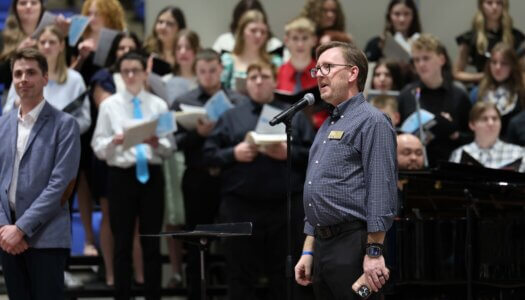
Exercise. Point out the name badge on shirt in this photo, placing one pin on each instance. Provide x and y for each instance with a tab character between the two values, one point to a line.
336	135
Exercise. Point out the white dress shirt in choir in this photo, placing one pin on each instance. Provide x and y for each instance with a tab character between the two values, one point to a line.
25	124
117	111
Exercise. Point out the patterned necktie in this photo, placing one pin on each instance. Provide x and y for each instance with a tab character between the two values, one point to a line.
142	161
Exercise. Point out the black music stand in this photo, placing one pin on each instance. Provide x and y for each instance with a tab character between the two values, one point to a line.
201	235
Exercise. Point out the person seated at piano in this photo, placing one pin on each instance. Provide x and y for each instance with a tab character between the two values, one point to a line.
410	155
487	149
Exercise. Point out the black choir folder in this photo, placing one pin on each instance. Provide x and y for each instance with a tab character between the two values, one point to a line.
467	159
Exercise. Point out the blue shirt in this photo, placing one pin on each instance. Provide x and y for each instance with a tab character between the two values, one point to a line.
352	169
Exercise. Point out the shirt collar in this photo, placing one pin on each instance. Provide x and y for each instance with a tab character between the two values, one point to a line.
128	97
347	105
33	114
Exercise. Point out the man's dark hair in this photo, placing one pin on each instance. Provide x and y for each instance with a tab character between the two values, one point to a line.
30	54
352	56
132	55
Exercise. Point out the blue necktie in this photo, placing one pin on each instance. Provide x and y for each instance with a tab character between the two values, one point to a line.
142	161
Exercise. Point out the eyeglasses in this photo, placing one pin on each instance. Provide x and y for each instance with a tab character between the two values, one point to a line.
129	72
325	69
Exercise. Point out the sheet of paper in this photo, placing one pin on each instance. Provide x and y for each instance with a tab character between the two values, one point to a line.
411	124
166	124
76	29
394	50
138	131
217	105
48	18
263	124
262	139
189	116
104	45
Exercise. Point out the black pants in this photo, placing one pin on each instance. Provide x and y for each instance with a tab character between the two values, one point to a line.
35	274
201	202
129	199
338	263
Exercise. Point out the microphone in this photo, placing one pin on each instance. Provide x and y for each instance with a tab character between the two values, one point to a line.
308	99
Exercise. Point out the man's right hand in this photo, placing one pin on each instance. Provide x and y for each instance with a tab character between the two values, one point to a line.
245	152
303	270
118	139
204	127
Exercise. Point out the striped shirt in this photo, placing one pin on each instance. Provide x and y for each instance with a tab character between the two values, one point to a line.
352	169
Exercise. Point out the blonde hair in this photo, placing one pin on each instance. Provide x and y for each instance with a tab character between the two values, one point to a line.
248	17
61	65
110	10
12	35
478	27
300	24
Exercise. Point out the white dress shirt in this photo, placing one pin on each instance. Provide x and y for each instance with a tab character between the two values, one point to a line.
114	114
25	124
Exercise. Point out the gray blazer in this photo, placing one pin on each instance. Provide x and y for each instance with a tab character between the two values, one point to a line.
46	176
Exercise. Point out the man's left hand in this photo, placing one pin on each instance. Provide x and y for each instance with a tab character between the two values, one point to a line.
10	236
276	151
376	272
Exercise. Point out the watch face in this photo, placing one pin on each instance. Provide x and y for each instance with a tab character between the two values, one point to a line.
373	251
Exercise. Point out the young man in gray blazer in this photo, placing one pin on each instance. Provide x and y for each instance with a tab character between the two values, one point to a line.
39	157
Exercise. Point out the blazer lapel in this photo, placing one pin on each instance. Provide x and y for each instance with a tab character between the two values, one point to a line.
42	119
13	122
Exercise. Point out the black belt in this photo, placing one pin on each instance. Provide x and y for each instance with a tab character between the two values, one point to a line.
330	231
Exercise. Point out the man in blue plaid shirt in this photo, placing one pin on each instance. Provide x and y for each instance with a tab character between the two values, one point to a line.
487	148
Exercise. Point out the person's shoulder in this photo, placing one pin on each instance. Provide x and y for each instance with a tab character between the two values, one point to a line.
188	96
156	100
518	34
60	116
408	90
237	97
466	37
74	75
518	119
227	59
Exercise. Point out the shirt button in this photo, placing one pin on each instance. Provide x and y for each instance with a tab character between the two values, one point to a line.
342	116
309	182
318	224
316	161
332	122
324	142
310	204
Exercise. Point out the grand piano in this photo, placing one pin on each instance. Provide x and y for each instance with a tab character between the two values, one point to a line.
460	234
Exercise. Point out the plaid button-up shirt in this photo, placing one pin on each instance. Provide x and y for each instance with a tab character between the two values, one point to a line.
352	169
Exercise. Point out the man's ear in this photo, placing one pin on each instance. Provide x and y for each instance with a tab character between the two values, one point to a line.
471	126
353	74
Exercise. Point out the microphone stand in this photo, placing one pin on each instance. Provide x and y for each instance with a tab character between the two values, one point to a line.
288	265
422	135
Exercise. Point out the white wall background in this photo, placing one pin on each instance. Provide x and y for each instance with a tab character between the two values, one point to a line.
364	18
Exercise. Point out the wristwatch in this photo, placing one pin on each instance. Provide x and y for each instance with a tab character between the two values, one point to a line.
374	250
